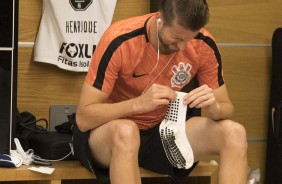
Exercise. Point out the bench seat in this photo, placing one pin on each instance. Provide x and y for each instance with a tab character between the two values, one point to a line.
72	170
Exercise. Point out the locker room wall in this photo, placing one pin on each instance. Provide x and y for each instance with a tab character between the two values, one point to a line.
242	28
244	31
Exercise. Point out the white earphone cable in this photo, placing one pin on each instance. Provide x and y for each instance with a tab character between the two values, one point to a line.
158	74
158	51
158	40
158	58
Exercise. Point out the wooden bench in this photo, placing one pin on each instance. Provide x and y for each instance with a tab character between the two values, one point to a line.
72	170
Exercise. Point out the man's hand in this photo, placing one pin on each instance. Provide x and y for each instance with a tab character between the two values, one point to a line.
215	101
200	97
155	96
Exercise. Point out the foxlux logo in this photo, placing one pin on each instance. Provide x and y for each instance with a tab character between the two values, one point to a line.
81	52
80	5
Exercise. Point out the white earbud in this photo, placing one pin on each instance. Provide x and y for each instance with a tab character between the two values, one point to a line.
159	20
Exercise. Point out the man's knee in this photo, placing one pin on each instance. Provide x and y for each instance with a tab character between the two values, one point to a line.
235	136
126	136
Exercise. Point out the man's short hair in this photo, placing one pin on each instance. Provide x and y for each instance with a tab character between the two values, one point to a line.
191	14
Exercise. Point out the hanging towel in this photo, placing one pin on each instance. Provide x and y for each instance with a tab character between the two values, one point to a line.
70	30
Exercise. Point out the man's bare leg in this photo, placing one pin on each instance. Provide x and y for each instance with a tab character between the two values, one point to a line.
116	145
224	138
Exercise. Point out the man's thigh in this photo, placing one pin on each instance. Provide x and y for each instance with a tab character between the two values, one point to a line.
206	136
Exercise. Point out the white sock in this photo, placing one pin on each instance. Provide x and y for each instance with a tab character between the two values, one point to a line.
173	134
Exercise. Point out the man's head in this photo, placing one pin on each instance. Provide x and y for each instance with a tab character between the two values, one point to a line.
180	21
191	14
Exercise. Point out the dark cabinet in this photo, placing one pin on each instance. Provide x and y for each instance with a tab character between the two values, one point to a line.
6	23
273	166
8	72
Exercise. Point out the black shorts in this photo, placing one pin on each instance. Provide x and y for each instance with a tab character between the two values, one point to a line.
151	155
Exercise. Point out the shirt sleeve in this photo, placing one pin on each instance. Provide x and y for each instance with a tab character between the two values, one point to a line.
210	72
105	66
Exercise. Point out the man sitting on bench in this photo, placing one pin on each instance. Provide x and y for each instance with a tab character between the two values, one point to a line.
136	70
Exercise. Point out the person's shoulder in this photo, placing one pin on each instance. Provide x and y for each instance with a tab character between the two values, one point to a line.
204	34
203	40
127	25
136	20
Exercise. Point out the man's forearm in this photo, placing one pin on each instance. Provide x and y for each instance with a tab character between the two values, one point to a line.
94	115
223	110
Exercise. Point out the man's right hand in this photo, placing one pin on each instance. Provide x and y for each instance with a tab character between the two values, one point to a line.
155	96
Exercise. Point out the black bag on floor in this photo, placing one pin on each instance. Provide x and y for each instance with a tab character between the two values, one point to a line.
26	126
55	145
52	146
47	145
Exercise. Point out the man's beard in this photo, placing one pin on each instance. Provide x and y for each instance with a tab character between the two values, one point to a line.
164	48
